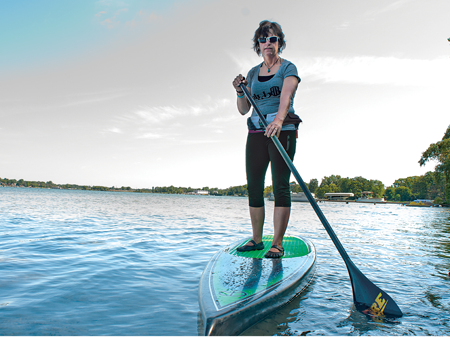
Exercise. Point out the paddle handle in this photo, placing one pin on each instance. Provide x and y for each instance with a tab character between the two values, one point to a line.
299	179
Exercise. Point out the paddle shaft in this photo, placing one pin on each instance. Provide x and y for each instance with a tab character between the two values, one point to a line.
366	295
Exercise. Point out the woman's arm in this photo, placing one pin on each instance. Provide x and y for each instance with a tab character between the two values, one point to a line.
290	85
243	104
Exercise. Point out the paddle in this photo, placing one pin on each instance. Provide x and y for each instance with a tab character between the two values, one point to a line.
367	297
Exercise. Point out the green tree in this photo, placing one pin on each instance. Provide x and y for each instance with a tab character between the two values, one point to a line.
421	189
404	193
295	188
268	190
440	152
377	188
313	185
323	189
333	179
389	194
99	188
352	186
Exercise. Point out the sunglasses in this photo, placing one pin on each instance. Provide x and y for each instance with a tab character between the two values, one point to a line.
272	39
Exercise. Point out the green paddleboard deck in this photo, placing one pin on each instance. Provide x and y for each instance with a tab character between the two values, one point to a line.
293	247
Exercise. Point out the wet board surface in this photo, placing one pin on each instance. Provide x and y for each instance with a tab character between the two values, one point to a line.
235	284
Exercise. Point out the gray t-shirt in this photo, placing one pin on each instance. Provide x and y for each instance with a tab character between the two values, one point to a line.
267	94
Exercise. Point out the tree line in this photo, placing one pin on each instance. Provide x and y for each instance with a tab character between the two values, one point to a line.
429	186
230	191
50	184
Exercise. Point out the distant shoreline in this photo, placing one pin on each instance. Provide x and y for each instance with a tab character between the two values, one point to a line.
389	202
239	191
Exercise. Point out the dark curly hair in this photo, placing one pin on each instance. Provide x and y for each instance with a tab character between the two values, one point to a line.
263	31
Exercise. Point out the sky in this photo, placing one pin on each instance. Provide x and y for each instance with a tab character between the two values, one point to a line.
138	93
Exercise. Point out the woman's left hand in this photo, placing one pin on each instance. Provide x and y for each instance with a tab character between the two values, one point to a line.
274	128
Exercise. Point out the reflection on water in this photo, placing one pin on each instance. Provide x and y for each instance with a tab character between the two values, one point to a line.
362	324
102	263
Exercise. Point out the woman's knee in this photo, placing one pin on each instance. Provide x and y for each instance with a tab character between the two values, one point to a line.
282	197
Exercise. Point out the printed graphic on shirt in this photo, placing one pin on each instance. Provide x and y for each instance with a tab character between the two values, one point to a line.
273	92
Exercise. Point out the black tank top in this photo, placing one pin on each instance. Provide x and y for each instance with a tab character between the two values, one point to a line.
265	78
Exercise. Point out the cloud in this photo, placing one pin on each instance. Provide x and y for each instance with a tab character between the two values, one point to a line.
200	141
364	69
149	136
393	6
160	114
131	20
343	26
111	130
375	70
152	122
113	21
244	60
227	118
142	18
114	130
101	98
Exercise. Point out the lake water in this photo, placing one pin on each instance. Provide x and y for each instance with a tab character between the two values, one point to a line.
104	263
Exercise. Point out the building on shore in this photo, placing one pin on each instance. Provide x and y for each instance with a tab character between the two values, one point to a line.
338	196
199	192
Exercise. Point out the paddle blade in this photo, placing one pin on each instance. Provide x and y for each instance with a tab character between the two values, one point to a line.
368	298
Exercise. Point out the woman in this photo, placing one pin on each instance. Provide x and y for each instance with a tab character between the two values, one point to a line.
272	85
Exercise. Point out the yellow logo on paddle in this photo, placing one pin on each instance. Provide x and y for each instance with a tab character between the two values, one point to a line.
378	306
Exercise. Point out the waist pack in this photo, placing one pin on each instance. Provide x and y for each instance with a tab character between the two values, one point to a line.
292	118
254	123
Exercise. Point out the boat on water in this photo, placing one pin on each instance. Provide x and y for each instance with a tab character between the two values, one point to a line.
422	203
238	289
296	197
367	197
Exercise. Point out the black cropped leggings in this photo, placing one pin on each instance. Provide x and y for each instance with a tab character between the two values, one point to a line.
260	151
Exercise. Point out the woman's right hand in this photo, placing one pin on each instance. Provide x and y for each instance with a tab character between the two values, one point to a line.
242	103
237	82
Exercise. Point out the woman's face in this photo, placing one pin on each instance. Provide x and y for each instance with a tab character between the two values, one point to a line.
269	48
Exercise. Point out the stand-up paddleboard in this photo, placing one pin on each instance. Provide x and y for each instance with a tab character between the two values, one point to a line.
238	289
